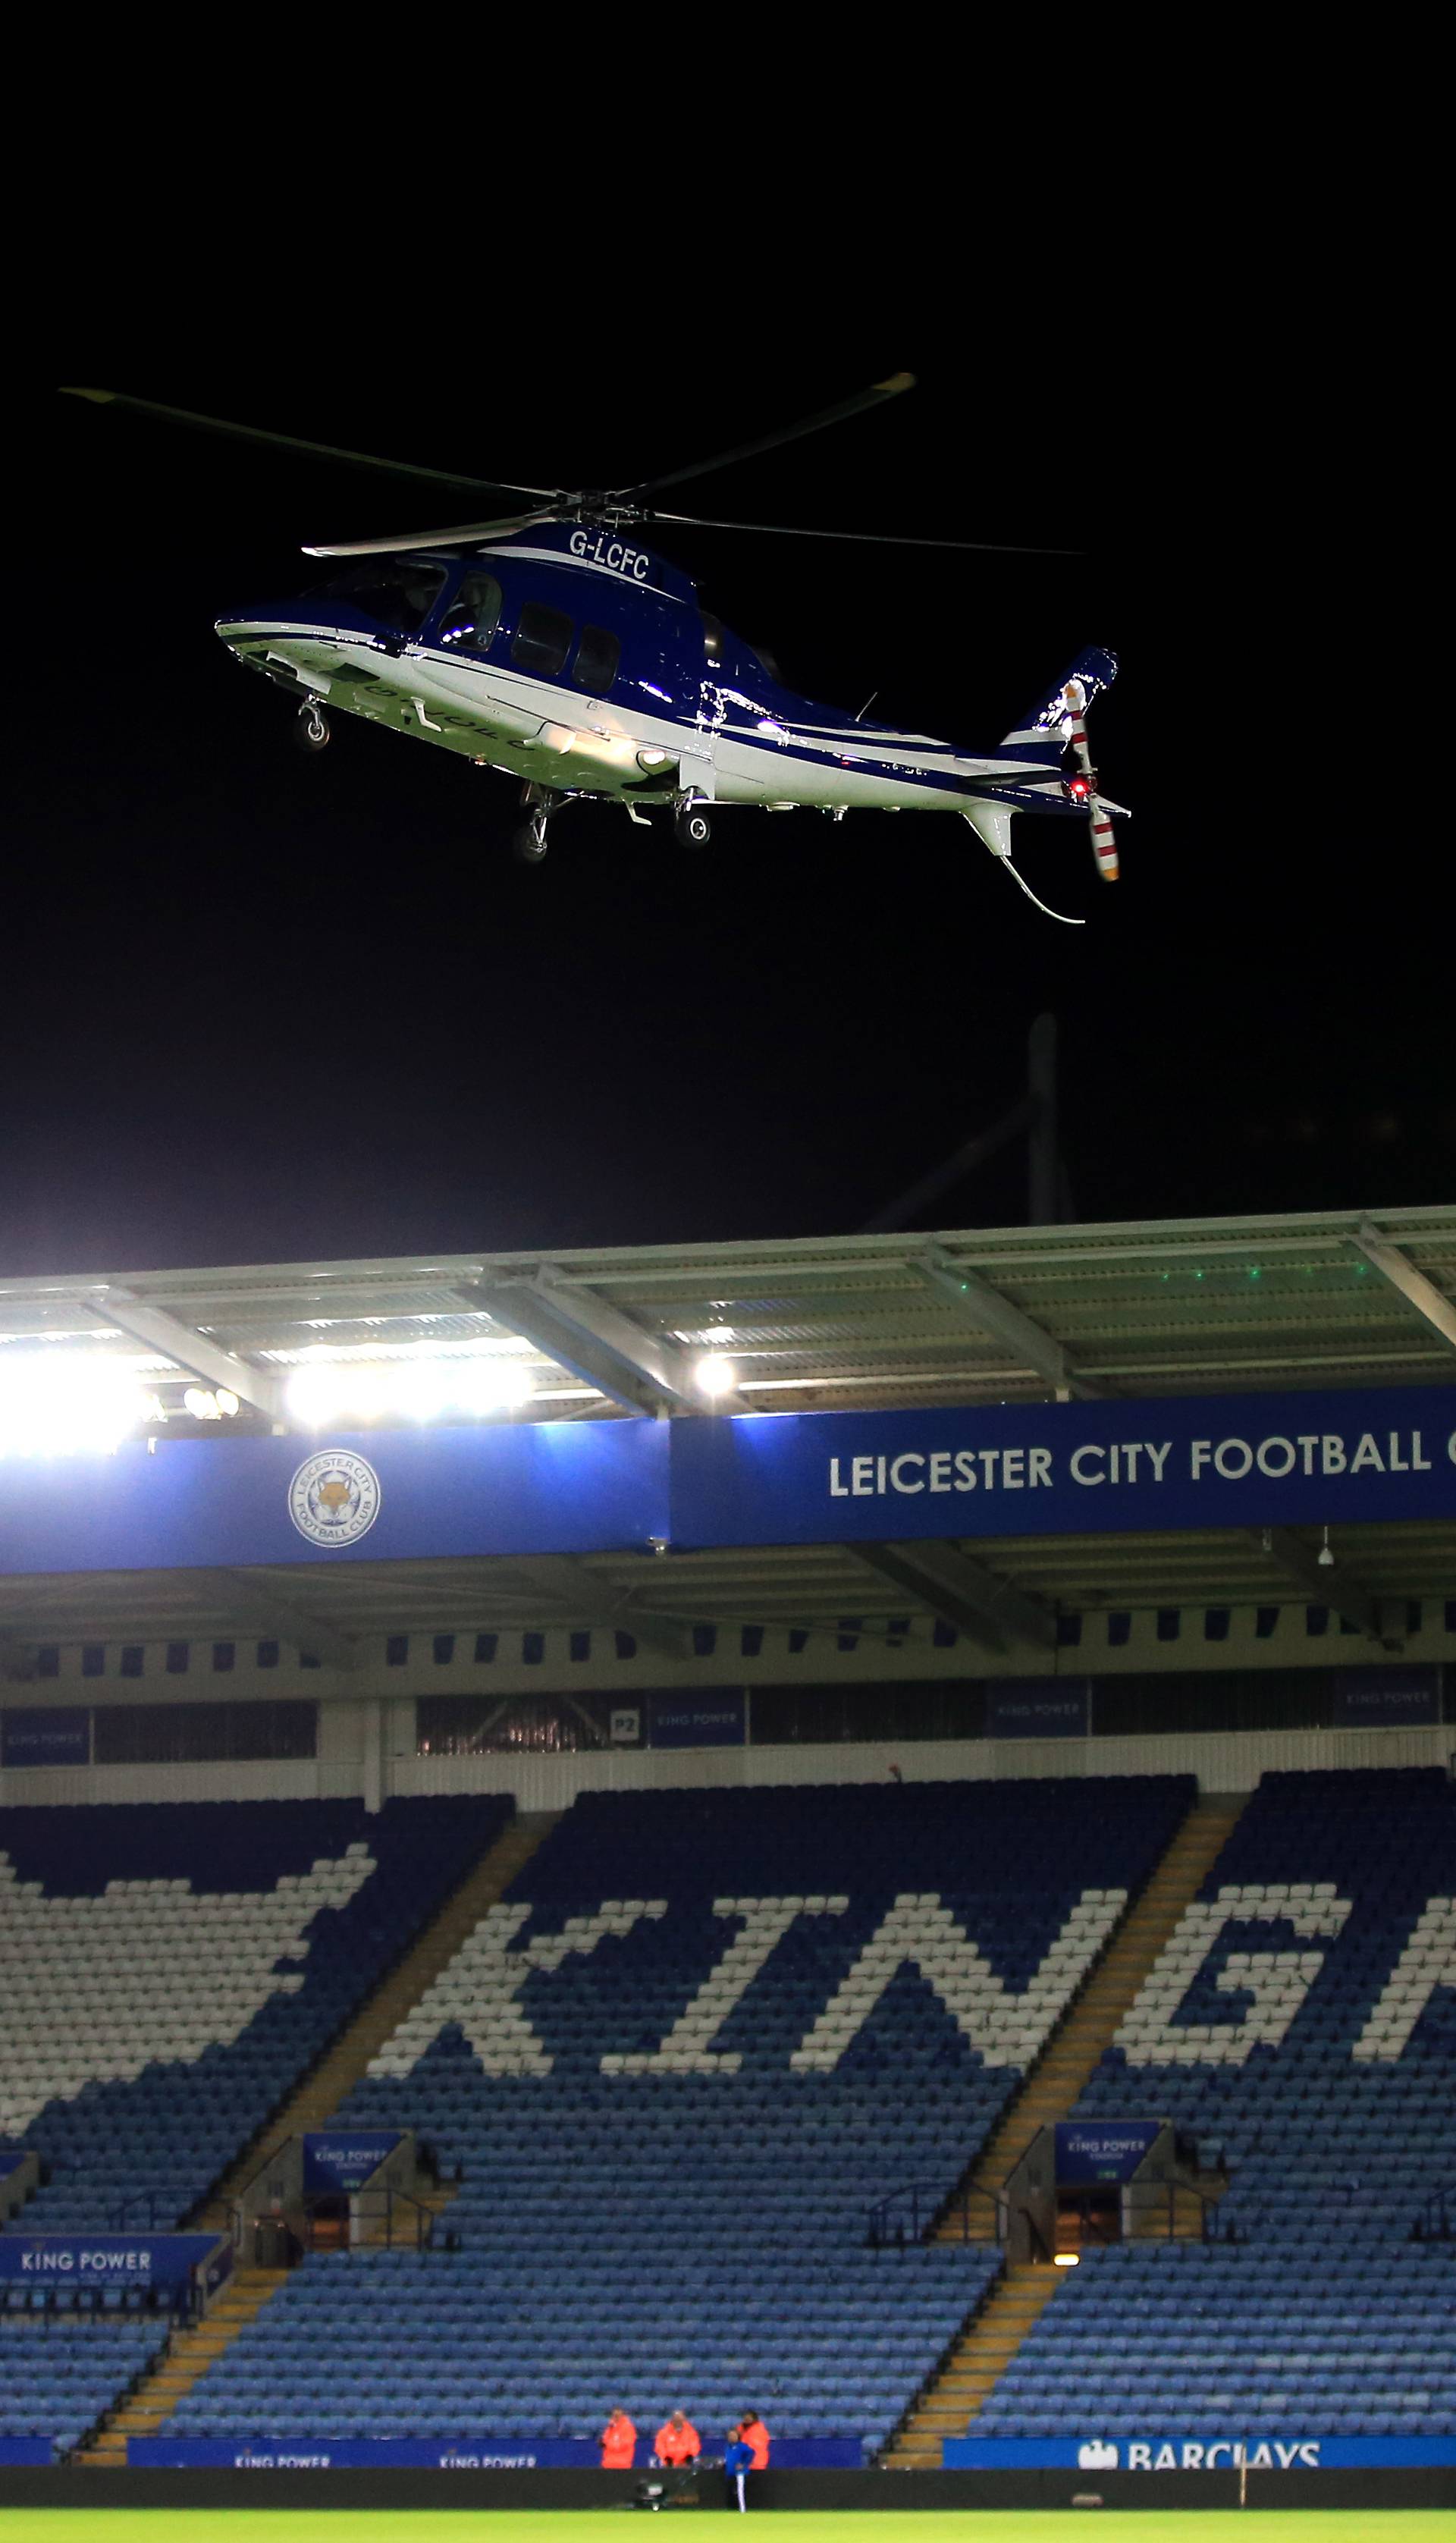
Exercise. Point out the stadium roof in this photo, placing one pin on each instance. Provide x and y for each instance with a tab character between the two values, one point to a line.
981	1315
965	1317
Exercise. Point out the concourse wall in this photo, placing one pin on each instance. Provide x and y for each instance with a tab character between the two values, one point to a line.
365	1751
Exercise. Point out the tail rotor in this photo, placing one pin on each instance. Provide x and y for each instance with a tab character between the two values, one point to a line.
1083	786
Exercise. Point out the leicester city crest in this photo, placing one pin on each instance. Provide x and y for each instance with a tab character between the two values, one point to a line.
334	1499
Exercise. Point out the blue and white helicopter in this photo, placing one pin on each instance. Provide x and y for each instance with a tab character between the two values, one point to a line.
556	647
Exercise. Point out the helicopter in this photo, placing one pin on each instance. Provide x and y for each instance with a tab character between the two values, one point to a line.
554	645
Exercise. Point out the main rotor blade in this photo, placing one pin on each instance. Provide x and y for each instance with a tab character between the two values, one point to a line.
857	405
869	538
466	533
291	442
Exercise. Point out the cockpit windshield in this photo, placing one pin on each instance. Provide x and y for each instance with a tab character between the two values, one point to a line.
400	594
716	643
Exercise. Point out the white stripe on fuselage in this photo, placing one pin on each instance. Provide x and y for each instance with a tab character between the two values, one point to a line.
748	766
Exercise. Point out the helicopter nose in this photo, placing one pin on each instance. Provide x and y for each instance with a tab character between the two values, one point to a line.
276	643
254	624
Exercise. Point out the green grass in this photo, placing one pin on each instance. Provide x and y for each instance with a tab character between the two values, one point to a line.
897	2525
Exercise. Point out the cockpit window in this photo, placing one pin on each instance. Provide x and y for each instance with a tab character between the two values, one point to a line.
543	638
597	657
401	596
715	644
474	615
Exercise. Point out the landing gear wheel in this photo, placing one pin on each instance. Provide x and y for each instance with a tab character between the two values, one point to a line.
311	731
528	843
691	827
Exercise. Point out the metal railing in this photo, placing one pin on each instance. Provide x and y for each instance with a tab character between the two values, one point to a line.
395	2218
141	2207
1140	2212
339	2222
921	2212
1437	2222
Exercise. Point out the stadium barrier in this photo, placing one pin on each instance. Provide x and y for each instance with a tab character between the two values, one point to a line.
441	2454
186	2269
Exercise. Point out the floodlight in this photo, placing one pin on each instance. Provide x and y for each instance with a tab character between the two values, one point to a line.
715	1375
405	1390
67	1404
494	1385
204	1405
314	1396
226	1402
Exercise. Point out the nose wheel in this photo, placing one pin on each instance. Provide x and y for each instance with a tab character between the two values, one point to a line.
311	731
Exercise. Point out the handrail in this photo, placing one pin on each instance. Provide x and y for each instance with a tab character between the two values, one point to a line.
238	2201
917	2213
405	2218
1437	2222
120	2216
1150	2210
314	2204
1034	2233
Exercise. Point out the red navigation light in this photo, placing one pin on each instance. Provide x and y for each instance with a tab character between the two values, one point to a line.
1079	787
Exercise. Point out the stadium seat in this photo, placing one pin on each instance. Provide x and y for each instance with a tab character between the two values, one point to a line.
678	2066
173	1969
1301	2026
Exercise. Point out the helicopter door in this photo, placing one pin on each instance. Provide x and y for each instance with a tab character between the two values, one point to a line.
698	760
712	708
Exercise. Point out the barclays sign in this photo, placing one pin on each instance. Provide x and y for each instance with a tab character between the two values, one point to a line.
1195	2455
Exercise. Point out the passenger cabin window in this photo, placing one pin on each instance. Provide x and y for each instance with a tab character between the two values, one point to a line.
471	621
401	596
598	656
543	638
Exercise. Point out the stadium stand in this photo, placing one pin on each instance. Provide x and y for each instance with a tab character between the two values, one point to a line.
60	2368
673	2111
1301	2026
171	1971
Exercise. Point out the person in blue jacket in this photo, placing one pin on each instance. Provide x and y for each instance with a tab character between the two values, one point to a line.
738	2463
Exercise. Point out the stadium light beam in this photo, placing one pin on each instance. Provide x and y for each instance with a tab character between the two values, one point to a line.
71	1404
324	1392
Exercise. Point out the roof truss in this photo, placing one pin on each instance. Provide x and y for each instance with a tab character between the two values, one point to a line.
964	1592
597	1342
1401	1274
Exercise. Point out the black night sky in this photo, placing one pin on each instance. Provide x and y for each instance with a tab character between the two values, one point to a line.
261	1006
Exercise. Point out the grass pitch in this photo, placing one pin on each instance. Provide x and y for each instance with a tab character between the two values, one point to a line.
859	2525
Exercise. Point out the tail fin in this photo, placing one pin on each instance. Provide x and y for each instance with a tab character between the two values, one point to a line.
1043	733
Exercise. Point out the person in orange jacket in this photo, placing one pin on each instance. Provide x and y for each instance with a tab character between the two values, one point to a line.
677	2441
753	2433
618	2439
